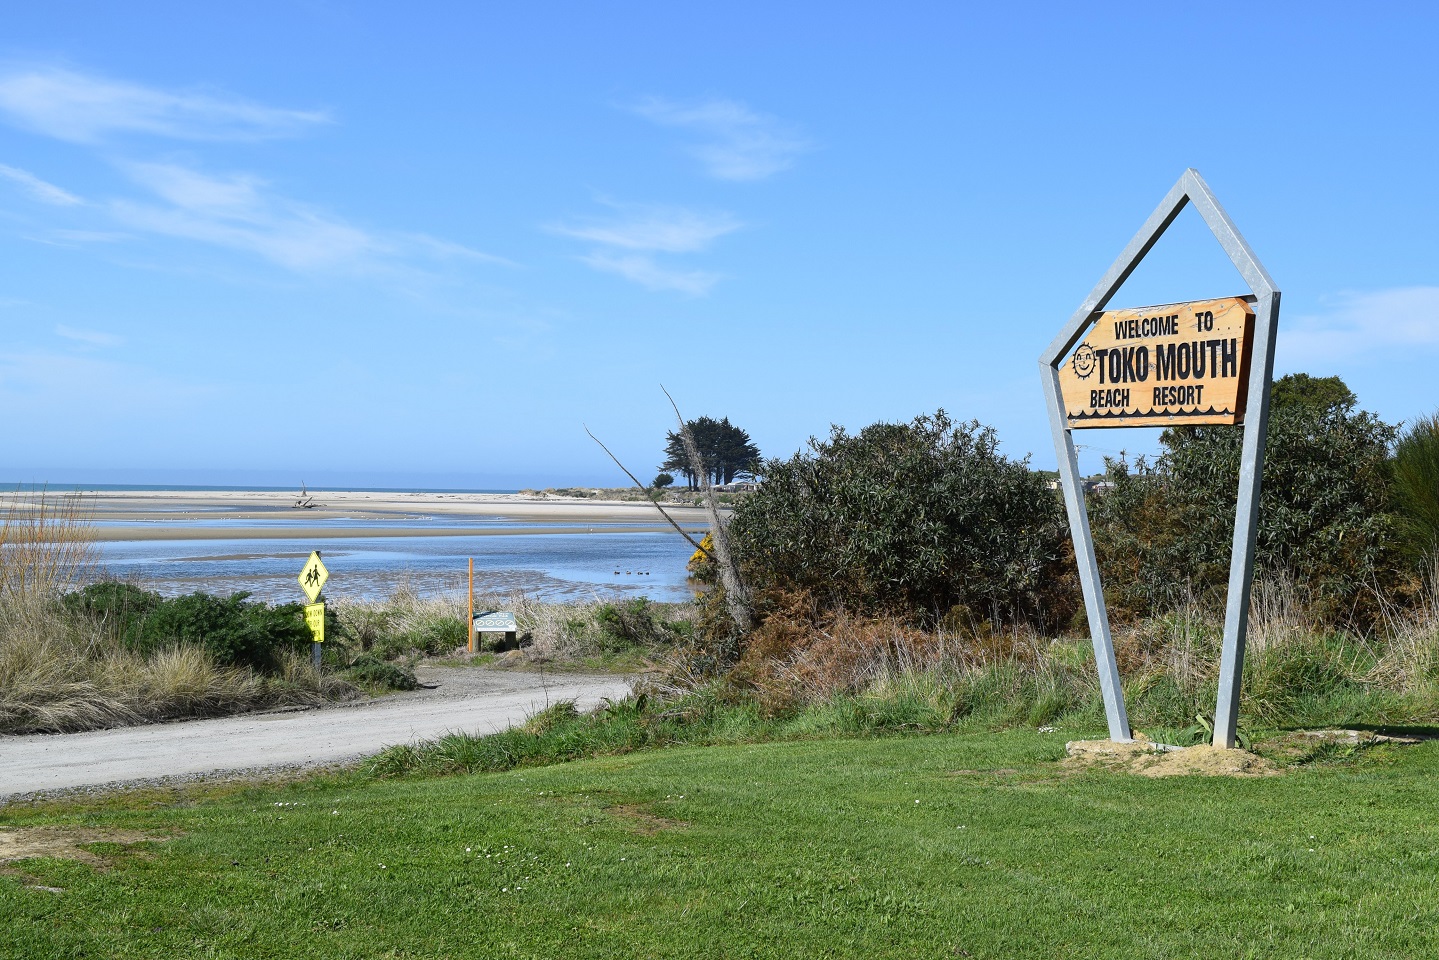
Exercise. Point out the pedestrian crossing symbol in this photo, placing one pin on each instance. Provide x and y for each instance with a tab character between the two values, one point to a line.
313	577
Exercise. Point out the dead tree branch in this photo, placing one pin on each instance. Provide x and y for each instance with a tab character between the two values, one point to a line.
648	494
737	598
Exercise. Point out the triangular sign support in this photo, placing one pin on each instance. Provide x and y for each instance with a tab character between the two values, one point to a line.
1190	189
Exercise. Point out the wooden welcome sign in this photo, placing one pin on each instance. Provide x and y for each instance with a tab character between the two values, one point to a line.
1161	366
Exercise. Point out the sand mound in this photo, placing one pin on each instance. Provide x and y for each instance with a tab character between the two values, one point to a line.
1148	759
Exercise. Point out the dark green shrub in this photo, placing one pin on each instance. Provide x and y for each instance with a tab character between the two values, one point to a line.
233	630
379	674
236	632
633	623
910	519
119	607
1166	530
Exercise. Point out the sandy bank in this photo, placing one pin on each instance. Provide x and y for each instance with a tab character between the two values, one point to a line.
188	515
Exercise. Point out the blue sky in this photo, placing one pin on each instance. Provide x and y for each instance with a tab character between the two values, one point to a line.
357	244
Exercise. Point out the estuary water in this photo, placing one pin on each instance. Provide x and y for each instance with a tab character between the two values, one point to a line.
555	566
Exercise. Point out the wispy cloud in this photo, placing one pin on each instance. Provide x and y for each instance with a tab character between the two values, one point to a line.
641	231
445	250
85	108
665	229
235	210
39	189
240	211
735	142
1404	318
643	270
89	337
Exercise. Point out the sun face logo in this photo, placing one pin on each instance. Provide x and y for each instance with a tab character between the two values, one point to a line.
1083	361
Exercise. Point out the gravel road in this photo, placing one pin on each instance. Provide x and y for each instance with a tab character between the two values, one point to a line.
468	699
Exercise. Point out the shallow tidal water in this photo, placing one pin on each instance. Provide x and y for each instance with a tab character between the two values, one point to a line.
551	566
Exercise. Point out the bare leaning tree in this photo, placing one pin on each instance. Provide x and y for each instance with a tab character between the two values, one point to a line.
737	598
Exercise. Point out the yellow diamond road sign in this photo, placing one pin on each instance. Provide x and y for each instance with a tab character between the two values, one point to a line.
313	577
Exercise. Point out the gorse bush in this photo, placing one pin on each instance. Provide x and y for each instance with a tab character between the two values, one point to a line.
636	622
911	519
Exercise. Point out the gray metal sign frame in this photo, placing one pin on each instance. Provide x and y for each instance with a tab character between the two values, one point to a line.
1190	188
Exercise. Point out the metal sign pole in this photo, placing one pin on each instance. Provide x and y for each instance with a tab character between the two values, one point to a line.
1190	188
1104	660
317	648
1246	528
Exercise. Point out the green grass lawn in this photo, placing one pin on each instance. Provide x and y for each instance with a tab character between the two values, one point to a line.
972	844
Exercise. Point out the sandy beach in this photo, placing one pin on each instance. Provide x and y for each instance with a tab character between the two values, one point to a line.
129	515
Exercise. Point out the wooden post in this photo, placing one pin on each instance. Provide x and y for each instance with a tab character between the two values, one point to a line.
470	623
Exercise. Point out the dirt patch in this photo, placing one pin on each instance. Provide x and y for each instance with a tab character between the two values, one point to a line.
64	843
643	822
1144	757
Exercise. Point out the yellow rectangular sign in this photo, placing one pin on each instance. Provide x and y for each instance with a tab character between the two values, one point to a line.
315	620
1161	366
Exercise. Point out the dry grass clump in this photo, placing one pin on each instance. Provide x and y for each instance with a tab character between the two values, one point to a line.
1410	657
46	543
1298	671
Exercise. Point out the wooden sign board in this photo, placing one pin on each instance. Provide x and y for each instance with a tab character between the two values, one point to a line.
1178	363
